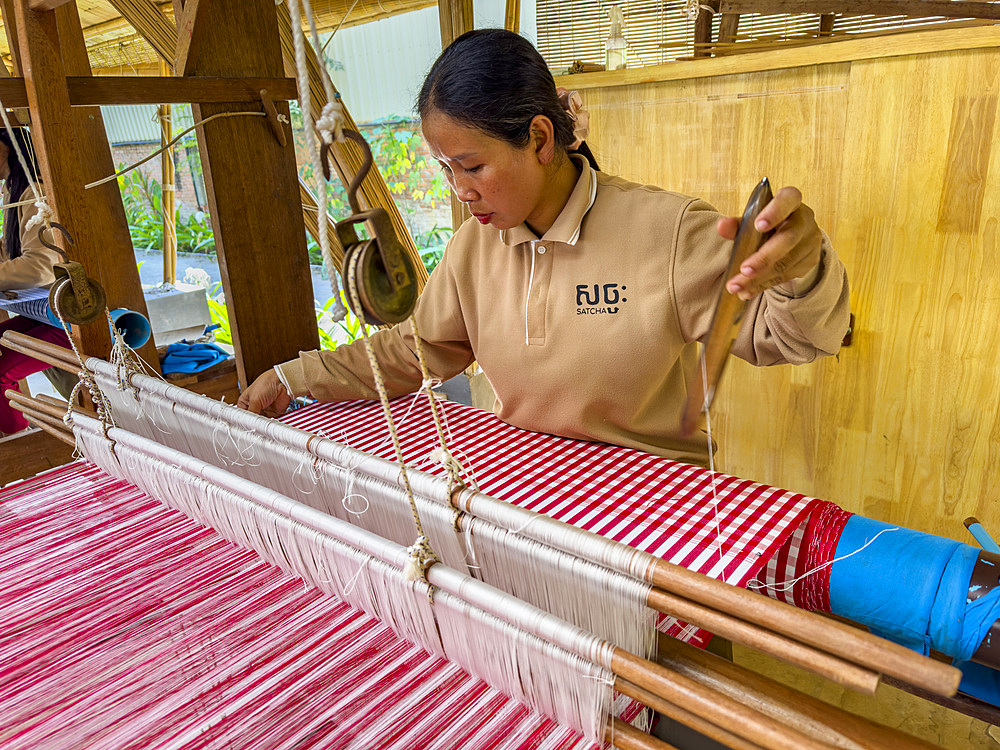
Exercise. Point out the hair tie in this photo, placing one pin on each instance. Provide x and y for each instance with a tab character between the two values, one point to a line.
572	102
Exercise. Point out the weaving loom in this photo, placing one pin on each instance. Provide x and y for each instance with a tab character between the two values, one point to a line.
651	503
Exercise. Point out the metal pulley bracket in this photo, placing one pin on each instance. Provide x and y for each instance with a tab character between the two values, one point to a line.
74	296
384	275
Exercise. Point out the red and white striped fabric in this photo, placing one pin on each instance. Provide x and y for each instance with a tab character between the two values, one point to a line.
724	527
123	624
126	625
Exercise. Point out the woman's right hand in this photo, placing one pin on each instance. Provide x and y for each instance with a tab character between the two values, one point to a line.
267	395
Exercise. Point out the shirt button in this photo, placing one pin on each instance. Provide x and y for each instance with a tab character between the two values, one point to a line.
541	249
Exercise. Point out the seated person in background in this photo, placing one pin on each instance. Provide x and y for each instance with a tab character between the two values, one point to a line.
24	263
581	295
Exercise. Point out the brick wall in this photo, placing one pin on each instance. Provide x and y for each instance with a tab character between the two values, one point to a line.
185	196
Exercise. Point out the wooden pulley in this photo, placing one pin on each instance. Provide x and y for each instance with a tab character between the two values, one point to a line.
76	297
385	278
728	313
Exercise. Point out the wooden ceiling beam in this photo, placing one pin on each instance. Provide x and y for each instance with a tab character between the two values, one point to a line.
151	23
189	35
913	8
85	91
46	4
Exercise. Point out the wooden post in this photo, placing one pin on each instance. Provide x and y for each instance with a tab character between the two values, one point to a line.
703	28
72	149
729	25
167	196
456	17
253	194
826	22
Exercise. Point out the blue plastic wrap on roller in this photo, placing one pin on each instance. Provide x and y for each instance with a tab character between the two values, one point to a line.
916	589
34	304
31	303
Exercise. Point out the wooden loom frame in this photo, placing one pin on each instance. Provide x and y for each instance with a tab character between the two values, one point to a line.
262	258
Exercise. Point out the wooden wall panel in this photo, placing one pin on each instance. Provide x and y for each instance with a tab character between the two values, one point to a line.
896	156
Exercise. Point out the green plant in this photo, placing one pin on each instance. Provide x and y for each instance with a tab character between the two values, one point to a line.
350	328
142	197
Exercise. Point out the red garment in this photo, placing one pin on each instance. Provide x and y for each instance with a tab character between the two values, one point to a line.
15	366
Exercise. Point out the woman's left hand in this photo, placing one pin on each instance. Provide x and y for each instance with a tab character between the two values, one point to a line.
792	251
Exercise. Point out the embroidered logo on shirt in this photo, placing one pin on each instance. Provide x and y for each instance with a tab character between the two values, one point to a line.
599	299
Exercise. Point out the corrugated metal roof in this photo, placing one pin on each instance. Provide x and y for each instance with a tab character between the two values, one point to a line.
138	123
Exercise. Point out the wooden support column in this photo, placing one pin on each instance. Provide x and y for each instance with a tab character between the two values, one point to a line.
72	149
729	25
703	28
253	195
456	17
826	22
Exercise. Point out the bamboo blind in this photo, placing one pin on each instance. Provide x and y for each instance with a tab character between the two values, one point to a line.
659	31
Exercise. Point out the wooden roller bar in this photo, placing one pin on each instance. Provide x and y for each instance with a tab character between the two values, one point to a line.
859	646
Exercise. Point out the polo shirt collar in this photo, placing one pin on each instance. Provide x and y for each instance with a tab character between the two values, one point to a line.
566	228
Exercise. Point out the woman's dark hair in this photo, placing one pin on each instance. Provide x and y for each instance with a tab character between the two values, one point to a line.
17	182
496	81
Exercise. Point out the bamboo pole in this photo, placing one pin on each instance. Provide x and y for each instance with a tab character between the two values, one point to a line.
813	716
456	18
52	425
55	432
687	718
19	399
64	405
512	16
714	707
168	193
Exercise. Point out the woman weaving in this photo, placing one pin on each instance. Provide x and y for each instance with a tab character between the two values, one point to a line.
24	263
579	294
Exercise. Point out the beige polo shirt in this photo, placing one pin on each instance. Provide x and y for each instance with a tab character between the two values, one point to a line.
588	332
34	266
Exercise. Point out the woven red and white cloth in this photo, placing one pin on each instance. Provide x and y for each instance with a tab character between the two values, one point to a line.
124	624
717	524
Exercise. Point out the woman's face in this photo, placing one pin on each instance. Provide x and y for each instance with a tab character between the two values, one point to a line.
502	185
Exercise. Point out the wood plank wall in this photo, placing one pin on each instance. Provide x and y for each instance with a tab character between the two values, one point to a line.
896	155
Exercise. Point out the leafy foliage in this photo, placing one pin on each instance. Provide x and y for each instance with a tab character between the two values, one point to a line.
142	196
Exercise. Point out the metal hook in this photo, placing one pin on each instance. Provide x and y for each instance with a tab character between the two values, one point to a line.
65	233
